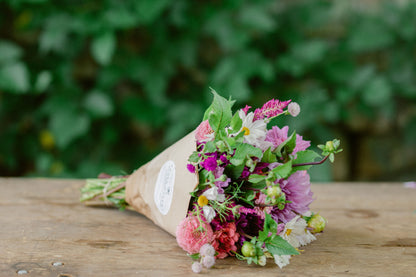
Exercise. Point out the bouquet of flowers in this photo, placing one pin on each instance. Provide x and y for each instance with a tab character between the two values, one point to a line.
246	187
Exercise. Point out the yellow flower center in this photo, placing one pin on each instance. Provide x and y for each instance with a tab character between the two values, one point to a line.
288	231
246	131
202	200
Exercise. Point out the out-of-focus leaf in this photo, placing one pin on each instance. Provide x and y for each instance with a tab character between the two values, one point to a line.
14	77
67	125
148	10
369	35
102	47
378	92
9	51
98	104
257	18
43	80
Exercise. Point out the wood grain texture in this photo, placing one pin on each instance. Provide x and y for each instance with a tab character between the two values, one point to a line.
371	231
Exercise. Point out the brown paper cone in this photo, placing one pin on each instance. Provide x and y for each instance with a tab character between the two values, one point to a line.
160	189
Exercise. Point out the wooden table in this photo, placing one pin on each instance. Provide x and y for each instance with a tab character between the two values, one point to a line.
45	231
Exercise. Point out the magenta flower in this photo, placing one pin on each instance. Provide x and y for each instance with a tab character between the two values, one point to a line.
277	136
270	109
209	163
191	168
297	189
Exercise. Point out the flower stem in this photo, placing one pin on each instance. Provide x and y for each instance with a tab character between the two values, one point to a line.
312	163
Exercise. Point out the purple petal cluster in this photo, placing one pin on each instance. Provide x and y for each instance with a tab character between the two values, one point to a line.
297	189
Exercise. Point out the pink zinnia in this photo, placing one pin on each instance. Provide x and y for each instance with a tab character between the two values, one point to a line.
204	132
277	136
270	109
297	189
225	239
190	237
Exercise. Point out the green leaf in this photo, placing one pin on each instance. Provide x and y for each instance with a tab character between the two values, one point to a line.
219	113
98	104
243	151
14	77
306	156
378	92
287	146
234	171
279	246
9	52
269	226
283	170
149	10
269	156
256	178
210	147
43	81
102	47
236	123
67	125
380	36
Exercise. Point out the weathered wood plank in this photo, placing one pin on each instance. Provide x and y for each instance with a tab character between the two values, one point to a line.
371	232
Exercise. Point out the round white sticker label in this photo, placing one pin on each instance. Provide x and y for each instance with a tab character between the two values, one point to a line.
164	187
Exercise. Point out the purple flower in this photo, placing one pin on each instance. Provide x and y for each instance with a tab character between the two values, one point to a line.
221	184
191	168
297	189
223	159
277	136
209	163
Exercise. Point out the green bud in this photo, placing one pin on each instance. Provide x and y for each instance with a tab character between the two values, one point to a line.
329	146
223	178
273	191
248	249
317	223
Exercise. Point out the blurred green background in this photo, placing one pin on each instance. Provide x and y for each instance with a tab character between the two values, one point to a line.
103	86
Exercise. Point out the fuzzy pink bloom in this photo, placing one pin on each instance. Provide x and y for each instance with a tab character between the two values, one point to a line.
277	136
270	109
246	108
189	237
225	239
204	132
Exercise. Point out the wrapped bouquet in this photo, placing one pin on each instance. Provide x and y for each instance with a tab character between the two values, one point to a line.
233	187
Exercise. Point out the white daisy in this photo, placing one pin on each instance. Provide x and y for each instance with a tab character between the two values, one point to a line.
254	131
212	194
281	260
209	213
296	234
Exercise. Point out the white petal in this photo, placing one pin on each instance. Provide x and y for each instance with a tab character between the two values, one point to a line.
209	213
281	260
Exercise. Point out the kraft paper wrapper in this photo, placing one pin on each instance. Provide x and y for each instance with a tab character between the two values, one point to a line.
140	186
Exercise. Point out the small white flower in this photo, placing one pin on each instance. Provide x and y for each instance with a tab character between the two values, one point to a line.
254	131
207	250
293	109
209	213
262	260
281	260
213	195
296	234
196	267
